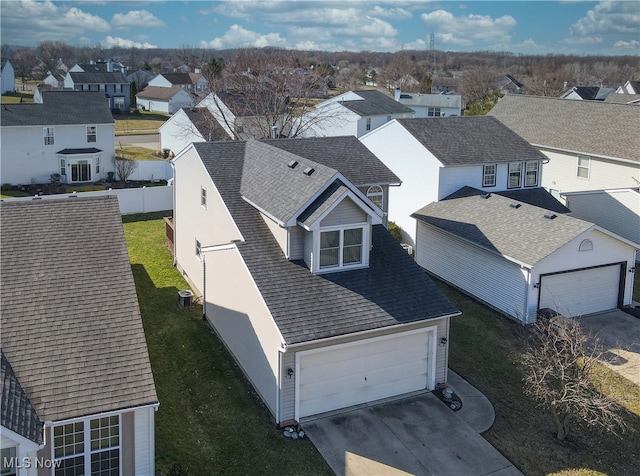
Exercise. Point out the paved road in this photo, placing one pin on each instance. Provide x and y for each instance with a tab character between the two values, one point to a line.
150	141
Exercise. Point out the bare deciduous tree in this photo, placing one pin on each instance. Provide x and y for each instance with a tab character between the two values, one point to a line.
478	81
558	361
124	167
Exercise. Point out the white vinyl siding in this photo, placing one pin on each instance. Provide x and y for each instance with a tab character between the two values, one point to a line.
345	213
487	276
144	435
236	310
296	242
560	173
584	162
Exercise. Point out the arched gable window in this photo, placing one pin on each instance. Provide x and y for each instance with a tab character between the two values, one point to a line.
375	194
585	245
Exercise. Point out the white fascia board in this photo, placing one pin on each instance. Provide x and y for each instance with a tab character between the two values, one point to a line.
617	237
21	440
377	129
366	202
375	218
292	221
183	152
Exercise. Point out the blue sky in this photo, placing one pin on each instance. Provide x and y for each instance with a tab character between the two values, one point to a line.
529	27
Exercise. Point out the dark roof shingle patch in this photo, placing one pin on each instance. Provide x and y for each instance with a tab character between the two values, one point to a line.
375	103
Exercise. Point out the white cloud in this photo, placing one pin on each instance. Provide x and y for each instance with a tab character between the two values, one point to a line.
394	13
469	29
606	18
136	18
583	40
239	37
112	42
628	45
30	22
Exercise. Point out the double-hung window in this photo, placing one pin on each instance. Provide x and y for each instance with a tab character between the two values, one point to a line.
375	194
584	162
489	175
531	174
368	124
341	247
515	175
90	446
49	135
433	112
92	133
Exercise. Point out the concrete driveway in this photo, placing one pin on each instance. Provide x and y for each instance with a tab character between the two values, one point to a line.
619	333
417	435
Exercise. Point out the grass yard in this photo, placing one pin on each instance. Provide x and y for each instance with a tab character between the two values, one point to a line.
210	421
17	97
148	122
132	152
483	345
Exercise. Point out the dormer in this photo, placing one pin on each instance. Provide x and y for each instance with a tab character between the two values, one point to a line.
313	211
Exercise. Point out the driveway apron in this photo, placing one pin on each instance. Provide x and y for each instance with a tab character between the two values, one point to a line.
416	435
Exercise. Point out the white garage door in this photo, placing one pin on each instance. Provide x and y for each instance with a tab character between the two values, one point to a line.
349	374
581	292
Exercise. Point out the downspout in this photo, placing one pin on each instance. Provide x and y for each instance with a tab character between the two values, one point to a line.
204	286
175	235
526	297
281	351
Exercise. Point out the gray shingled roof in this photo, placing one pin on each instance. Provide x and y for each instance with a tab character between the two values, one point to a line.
375	103
59	108
101	77
468	140
17	413
71	325
623	98
522	234
266	174
589	127
331	195
157	92
345	153
537	197
207	125
393	290
178	78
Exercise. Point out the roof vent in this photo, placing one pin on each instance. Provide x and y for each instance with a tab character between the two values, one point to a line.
308	171
515	205
292	164
485	195
550	215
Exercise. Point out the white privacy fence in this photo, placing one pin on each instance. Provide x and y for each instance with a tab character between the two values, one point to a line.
130	200
152	170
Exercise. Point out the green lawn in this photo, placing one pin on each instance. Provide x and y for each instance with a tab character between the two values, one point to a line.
147	122
483	349
132	152
17	97
210	421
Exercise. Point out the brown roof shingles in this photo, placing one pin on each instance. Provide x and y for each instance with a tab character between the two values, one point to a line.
71	324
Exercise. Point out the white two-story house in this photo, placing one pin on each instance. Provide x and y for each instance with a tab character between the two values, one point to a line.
434	157
319	305
113	84
70	136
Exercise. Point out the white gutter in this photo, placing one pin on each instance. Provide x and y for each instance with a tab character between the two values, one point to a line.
607	157
105	414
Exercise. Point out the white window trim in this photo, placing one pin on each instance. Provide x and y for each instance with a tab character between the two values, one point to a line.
366	246
509	186
95	134
588	166
368	124
87	440
484	175
370	193
52	136
524	172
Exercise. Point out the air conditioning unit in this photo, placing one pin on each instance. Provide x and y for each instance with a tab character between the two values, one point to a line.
408	248
185	299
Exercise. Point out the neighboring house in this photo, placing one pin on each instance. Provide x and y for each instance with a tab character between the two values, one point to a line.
140	78
633	99
71	135
319	305
434	157
355	113
114	85
194	83
236	114
431	105
7	77
77	386
445	84
591	145
101	66
588	93
617	210
54	80
165	100
509	85
630	87
520	259
190	125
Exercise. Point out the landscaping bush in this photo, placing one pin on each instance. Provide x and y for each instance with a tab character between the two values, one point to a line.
6	187
395	231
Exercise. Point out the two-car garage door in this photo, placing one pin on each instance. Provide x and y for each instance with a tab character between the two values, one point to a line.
581	292
367	370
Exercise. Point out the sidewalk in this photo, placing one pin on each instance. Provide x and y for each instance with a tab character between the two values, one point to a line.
477	411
